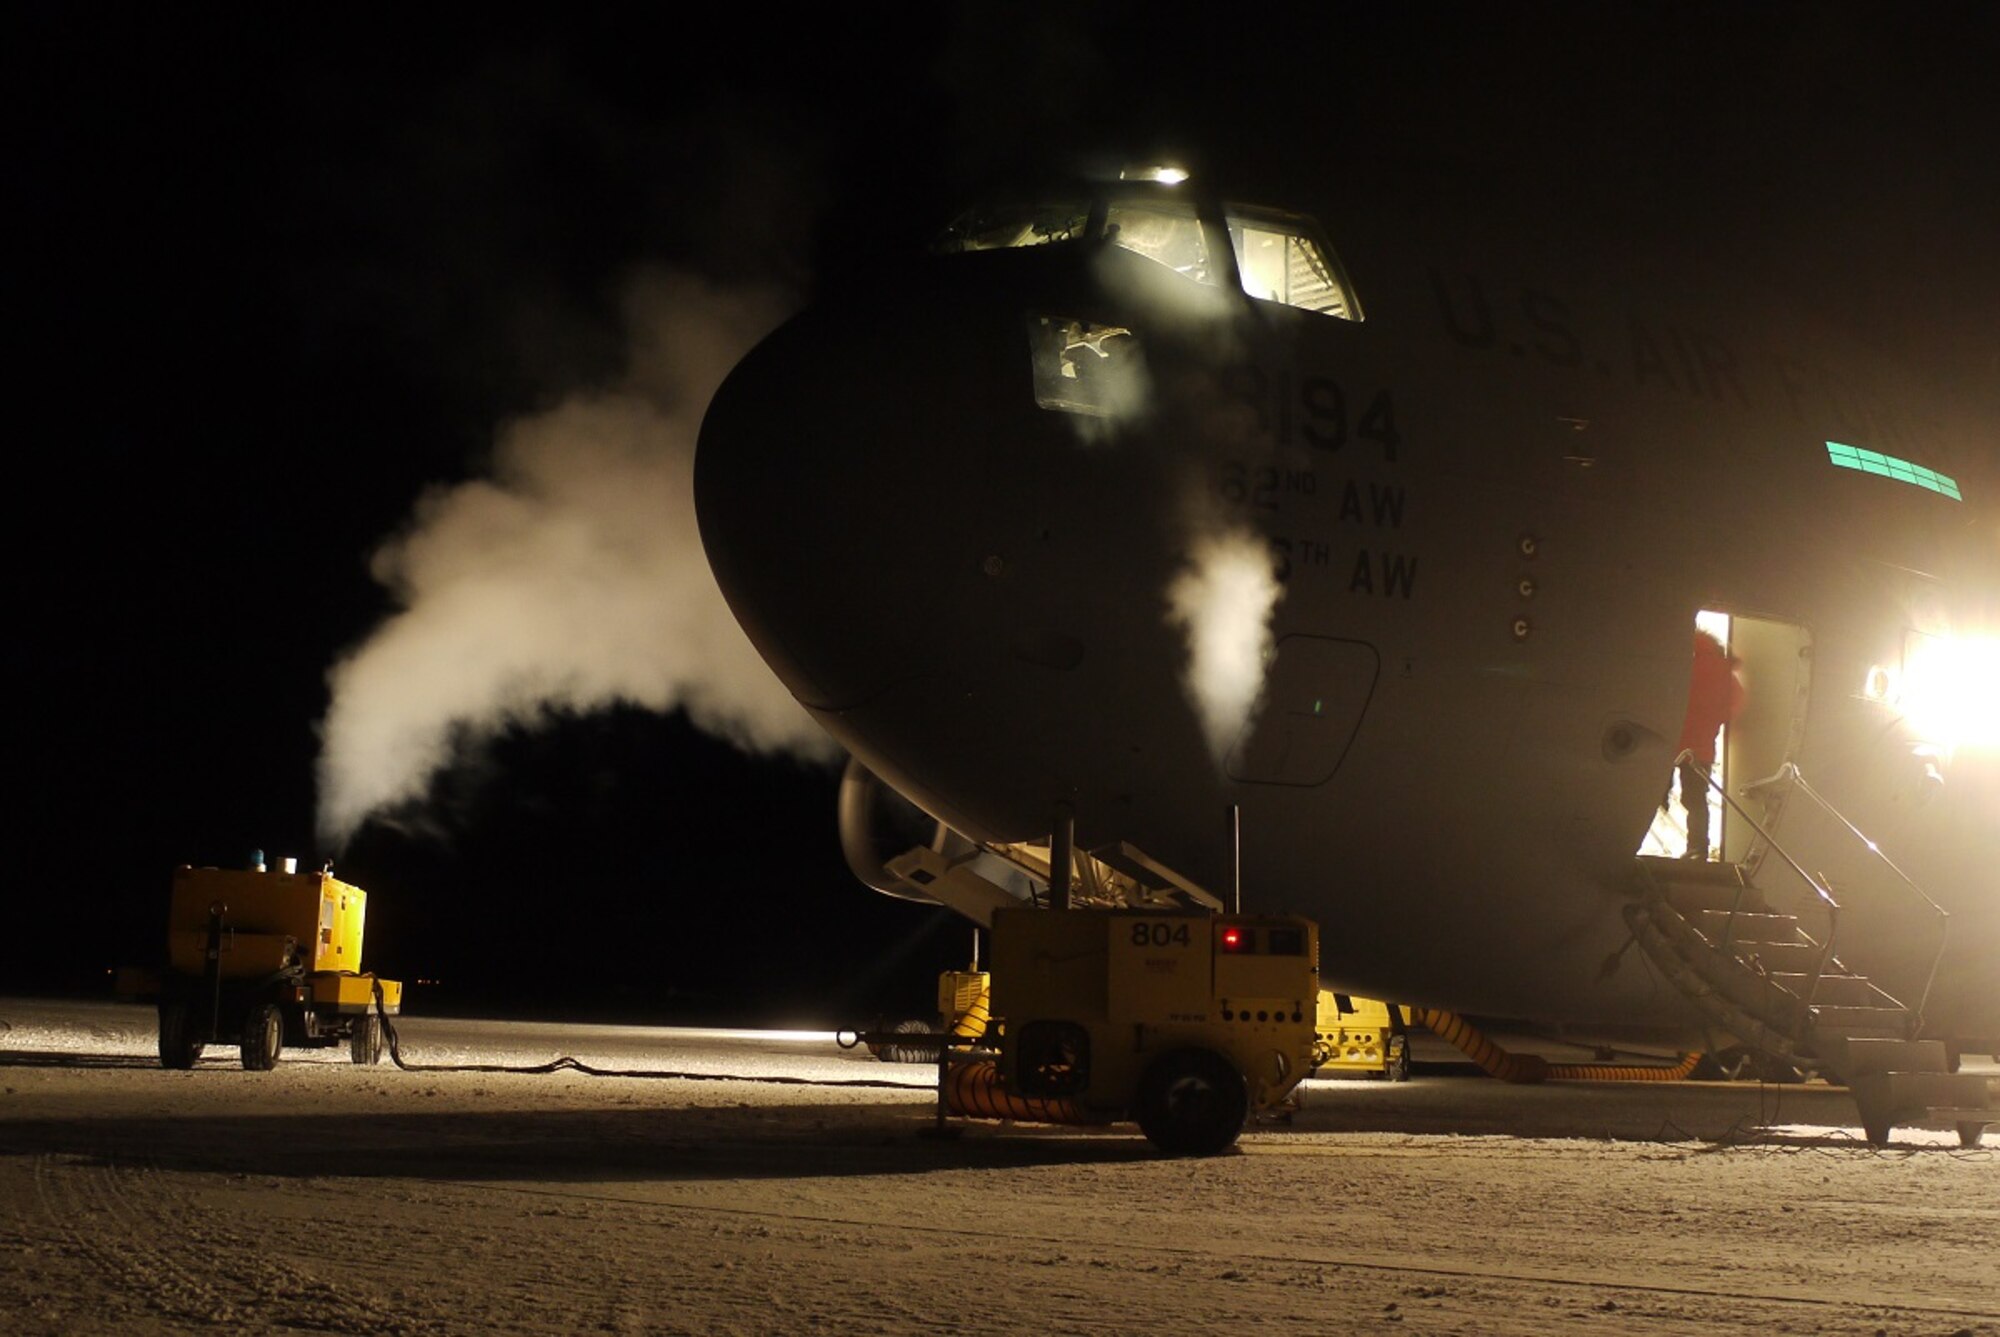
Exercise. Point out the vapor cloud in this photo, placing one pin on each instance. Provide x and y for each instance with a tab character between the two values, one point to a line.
1223	599
571	579
1222	603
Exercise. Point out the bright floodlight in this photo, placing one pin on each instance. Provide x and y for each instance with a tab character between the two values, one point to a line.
1948	692
1166	176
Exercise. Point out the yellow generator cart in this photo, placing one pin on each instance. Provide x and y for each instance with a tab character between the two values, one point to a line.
1361	1037
264	960
1183	1021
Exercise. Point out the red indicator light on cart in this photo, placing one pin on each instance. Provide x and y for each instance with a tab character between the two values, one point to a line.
1232	939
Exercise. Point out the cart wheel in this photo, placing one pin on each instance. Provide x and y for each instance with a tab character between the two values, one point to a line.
1191	1102
364	1045
178	1047
263	1037
1398	1067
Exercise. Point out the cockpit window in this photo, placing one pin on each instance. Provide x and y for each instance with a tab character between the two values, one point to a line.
998	227
1171	236
1281	264
1279	257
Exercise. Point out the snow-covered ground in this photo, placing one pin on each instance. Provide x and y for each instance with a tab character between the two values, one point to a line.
323	1197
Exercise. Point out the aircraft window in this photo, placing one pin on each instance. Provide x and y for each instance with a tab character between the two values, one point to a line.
1279	256
1172	237
1084	368
1287	941
1283	266
997	228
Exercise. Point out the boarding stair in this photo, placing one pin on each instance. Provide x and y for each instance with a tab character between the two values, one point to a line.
1778	985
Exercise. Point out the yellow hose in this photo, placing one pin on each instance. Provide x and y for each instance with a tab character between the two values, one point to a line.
972	1090
1528	1068
1625	1072
974	1015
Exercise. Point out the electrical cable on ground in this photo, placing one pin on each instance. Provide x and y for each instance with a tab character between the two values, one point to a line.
1744	1136
568	1064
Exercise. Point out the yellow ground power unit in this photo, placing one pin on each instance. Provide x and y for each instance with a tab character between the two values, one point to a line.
1361	1037
1184	1021
964	998
265	959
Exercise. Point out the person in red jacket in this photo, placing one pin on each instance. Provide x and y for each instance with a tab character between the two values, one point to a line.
1715	697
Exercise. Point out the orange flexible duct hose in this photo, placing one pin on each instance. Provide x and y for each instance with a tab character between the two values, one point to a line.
1492	1059
971	1024
973	1091
1528	1068
1625	1072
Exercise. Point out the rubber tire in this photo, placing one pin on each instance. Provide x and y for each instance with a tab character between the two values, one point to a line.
364	1044
263	1037
1397	1069
178	1047
1191	1102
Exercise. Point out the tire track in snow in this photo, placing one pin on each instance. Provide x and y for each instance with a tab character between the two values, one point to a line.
1228	1258
81	1199
169	1255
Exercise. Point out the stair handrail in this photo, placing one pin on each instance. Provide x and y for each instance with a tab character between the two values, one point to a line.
1820	889
1788	775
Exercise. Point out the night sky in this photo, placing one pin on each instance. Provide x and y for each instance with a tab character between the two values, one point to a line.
283	270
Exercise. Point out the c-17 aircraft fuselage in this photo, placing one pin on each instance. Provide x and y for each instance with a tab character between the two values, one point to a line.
953	509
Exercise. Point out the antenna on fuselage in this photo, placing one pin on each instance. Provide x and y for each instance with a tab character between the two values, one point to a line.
1236	858
1062	847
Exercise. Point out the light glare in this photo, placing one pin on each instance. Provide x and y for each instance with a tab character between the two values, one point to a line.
1947	691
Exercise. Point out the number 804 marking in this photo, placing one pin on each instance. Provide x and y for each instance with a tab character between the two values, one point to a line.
1155	933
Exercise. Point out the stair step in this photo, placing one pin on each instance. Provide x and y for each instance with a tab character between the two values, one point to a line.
1779	958
1691	898
1855	1030
1835	990
1715	925
1666	870
1693	901
1761	997
1860	1056
1847	1004
1866	1022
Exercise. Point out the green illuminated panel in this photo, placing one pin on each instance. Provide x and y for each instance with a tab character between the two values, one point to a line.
1888	466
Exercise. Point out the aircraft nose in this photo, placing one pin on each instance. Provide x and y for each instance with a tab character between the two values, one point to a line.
823	500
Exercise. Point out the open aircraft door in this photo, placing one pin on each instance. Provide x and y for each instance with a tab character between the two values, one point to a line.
1776	669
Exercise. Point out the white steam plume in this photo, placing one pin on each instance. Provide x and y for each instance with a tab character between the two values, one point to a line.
1223	599
1222	602
573	578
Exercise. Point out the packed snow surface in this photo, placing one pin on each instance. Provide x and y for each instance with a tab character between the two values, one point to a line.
322	1197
